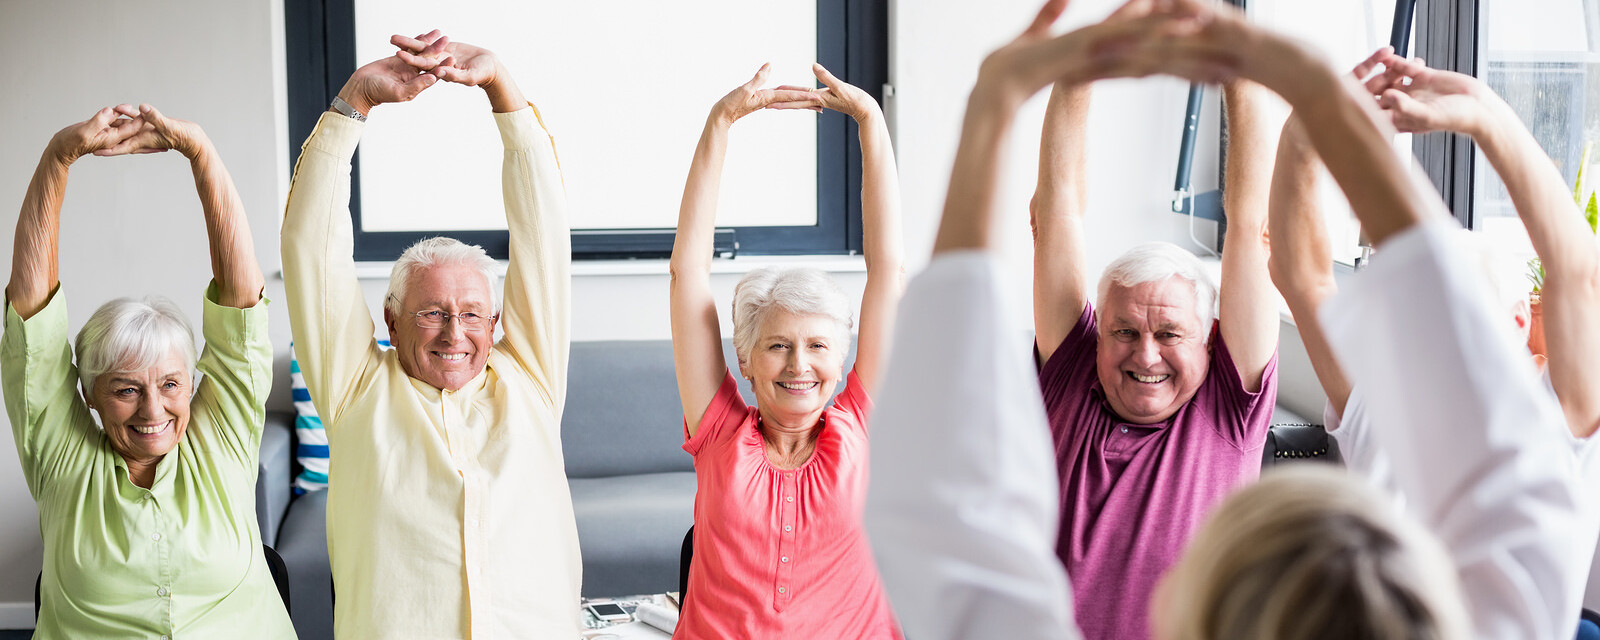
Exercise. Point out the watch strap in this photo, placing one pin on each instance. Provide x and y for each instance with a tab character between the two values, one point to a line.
344	109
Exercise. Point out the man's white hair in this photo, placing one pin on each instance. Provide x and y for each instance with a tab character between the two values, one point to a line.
437	251
127	335
797	290
1157	261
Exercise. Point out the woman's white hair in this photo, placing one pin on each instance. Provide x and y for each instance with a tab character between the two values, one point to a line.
437	251
1156	261
797	290
127	335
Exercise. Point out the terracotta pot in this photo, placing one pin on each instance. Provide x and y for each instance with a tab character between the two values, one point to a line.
1535	326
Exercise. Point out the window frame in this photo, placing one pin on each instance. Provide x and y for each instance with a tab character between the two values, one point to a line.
1448	39
852	38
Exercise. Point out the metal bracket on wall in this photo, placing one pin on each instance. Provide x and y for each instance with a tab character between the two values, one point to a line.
1207	205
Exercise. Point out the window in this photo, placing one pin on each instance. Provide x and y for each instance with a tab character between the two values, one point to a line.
1346	35
1541	57
626	119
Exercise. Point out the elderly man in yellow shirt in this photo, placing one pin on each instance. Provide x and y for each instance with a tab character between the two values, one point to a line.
449	514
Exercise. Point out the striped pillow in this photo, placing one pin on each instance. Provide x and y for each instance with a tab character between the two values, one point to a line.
312	452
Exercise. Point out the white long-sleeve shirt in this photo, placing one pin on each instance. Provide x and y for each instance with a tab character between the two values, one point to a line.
1479	446
962	508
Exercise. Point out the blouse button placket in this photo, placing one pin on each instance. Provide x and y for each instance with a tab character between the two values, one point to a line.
787	518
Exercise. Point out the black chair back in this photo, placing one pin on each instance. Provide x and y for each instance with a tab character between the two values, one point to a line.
280	573
1289	442
684	556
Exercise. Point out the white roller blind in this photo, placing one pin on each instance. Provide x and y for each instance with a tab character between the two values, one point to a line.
624	86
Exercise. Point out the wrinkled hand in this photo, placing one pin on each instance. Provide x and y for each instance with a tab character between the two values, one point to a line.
158	133
750	97
456	62
1419	99
387	80
105	129
835	94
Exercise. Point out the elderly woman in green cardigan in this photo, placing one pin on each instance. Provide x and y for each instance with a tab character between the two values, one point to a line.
148	517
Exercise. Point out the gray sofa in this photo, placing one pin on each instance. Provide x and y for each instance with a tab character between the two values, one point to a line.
632	484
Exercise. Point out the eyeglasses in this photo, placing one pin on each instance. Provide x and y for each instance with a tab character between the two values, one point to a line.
435	319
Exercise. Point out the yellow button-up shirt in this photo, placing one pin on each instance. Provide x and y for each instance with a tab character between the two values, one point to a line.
449	514
181	559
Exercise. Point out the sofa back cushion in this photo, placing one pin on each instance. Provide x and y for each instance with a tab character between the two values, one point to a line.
623	415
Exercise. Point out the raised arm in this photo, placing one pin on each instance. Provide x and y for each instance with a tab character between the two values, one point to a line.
233	254
1423	99
536	314
696	334
332	327
938	456
881	235
35	261
1419	337
1247	301
1301	260
1060	285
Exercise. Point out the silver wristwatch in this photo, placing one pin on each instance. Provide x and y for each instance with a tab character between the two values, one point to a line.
346	110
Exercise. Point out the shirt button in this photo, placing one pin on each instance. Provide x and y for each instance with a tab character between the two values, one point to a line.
785	559
474	522
165	638
161	591
782	590
155	536
1124	429
788	498
788	528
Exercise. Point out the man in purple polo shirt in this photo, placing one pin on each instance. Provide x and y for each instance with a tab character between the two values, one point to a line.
1156	411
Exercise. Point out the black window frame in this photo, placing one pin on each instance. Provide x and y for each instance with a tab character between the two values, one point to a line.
852	40
1448	39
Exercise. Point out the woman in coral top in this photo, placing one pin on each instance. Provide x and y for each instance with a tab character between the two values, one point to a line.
779	548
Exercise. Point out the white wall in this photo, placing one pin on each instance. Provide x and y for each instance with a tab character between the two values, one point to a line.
132	225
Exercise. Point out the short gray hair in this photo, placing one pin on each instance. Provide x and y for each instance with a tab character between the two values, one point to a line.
127	335
1157	261
797	290
437	251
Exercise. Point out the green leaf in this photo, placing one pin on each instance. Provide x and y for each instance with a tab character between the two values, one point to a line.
1592	213
1583	165
1536	274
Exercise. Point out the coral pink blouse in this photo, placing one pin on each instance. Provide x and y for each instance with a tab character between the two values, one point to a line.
780	553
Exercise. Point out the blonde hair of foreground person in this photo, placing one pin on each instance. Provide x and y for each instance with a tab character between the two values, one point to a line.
1310	553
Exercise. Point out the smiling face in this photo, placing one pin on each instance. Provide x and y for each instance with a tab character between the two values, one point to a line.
447	357
144	413
796	362
1152	355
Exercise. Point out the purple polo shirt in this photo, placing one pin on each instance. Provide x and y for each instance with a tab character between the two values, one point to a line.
1131	495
